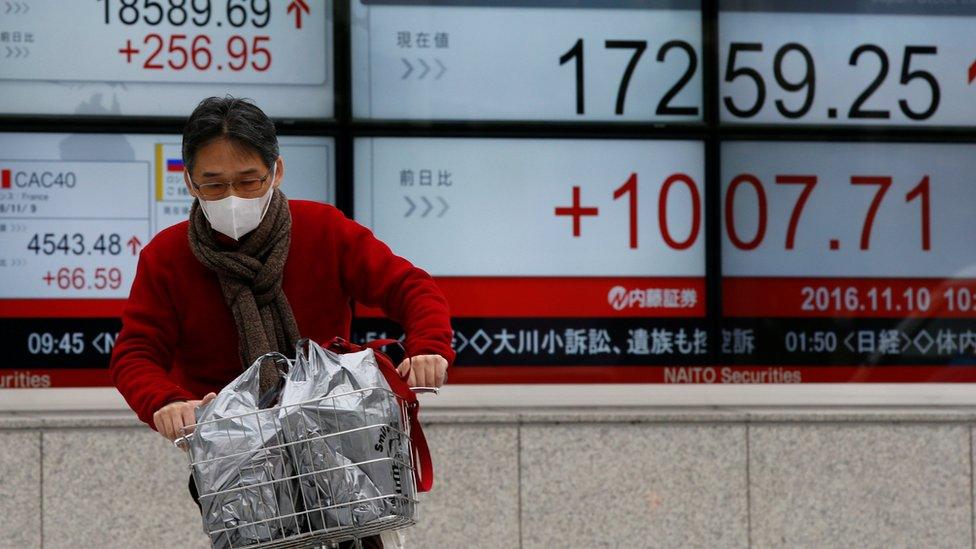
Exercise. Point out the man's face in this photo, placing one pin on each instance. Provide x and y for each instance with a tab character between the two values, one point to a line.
223	161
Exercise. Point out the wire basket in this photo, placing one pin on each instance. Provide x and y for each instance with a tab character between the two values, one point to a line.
308	474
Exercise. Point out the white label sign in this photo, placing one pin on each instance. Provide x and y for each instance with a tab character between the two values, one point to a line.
108	57
509	60
165	41
71	229
796	67
76	209
533	207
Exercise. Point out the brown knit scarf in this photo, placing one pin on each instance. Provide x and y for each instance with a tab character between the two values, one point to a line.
250	278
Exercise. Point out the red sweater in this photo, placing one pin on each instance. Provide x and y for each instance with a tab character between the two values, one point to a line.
179	341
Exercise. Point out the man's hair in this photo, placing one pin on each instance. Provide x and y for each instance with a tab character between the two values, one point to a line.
232	118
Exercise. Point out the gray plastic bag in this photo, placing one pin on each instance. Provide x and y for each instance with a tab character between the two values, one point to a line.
238	456
341	410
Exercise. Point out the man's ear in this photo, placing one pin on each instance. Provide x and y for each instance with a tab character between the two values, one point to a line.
186	181
279	170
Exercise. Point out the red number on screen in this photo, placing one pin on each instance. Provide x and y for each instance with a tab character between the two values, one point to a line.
174	48
239	53
630	187
883	183
149	64
258	50
808	182
922	190
198	51
662	211
730	212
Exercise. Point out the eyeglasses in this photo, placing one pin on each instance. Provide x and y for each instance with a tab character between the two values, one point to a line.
217	189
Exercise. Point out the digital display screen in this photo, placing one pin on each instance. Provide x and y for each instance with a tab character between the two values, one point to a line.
558	257
535	60
847	62
632	191
161	57
75	210
837	257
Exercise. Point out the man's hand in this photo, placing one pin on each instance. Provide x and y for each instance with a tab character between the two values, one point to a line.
424	370
170	418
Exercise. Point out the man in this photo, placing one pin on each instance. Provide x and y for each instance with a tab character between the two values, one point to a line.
251	272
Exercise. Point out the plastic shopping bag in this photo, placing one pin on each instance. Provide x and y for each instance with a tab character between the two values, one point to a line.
239	463
351	449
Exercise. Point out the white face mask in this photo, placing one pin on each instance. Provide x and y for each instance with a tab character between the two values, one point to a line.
235	216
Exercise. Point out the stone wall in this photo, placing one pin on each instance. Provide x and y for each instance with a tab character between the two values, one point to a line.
535	478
